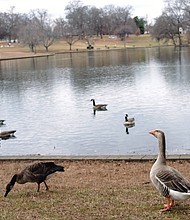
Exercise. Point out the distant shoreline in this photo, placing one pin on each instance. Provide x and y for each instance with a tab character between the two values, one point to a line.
135	158
24	55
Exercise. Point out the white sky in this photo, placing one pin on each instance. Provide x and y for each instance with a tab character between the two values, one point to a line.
141	8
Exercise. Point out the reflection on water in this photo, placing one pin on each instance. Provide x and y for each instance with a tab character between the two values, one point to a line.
47	100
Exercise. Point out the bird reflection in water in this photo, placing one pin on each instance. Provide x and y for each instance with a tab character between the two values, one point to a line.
99	110
127	127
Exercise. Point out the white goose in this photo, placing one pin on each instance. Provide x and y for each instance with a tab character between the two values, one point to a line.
167	180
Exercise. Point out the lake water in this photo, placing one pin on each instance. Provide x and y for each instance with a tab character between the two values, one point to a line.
47	100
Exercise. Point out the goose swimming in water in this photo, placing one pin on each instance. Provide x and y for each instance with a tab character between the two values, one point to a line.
129	121
167	180
11	132
98	106
35	173
2	122
7	134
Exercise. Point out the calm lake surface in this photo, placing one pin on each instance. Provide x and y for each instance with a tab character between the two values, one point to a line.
47	100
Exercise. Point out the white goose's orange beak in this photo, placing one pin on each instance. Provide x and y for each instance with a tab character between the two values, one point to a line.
152	132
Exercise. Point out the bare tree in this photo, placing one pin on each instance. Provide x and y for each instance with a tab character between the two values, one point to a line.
168	25
11	21
94	21
3	29
76	15
163	29
29	34
43	23
70	39
60	29
175	12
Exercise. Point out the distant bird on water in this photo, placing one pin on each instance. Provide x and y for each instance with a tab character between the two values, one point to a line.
2	122
35	173
7	134
129	121
98	106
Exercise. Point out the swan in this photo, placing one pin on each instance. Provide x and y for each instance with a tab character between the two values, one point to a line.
168	181
37	172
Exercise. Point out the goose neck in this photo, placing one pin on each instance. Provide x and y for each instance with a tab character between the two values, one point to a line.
93	101
162	150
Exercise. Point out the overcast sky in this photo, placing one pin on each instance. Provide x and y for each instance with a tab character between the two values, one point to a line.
141	8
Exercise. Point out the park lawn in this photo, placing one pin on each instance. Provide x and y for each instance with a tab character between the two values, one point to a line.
89	190
133	41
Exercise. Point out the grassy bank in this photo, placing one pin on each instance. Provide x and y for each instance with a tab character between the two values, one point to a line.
20	50
89	190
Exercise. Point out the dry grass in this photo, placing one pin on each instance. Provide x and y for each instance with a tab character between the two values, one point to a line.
90	190
19	50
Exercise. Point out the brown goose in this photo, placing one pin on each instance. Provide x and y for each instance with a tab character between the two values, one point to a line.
167	180
98	106
35	173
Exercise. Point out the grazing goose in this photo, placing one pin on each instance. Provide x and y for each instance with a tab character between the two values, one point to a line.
167	180
2	122
129	121
98	106
35	173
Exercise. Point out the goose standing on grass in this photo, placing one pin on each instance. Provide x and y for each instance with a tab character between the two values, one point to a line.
129	121
35	173
98	106
167	180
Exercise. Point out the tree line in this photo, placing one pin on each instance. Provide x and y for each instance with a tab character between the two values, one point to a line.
81	22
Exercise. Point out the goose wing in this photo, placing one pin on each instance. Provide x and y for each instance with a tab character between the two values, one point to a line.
101	105
173	180
45	168
36	172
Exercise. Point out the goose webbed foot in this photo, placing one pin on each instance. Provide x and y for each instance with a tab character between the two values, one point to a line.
168	206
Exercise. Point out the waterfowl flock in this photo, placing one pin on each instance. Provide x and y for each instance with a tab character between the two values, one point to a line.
169	182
